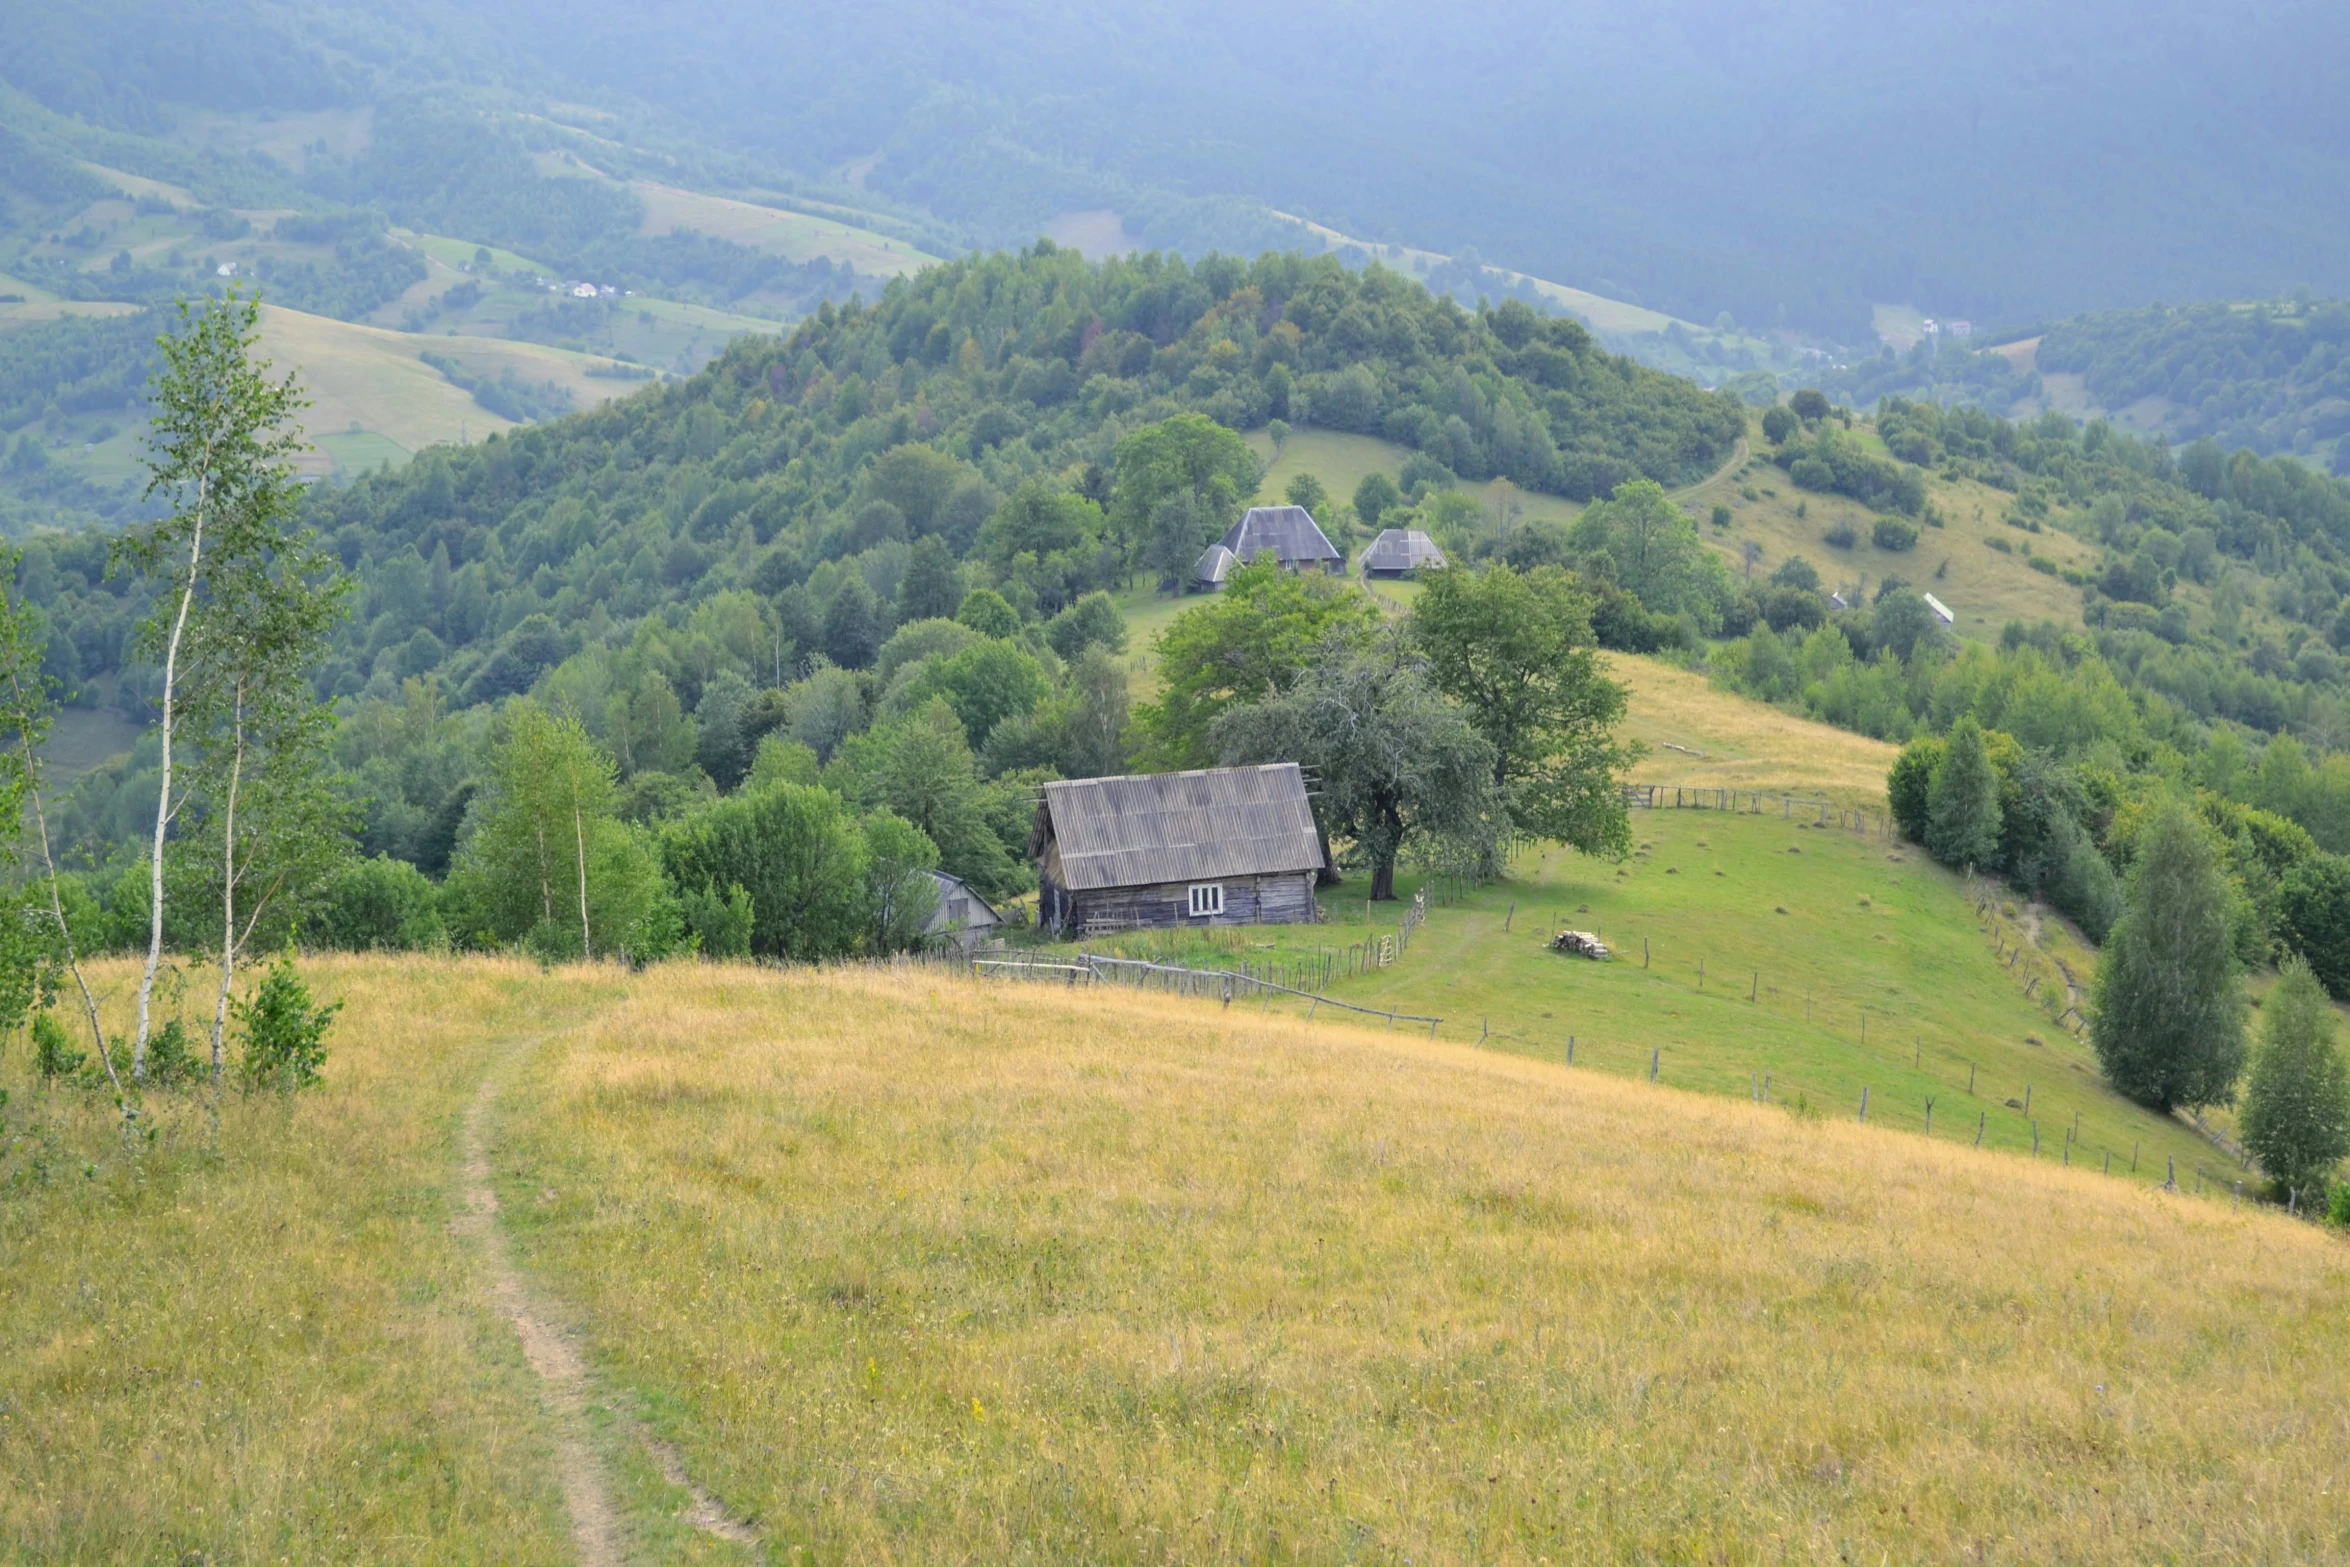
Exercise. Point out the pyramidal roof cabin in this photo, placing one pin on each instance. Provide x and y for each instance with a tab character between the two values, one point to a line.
1398	552
1288	533
1220	846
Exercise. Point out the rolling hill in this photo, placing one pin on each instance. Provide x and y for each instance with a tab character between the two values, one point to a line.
892	1263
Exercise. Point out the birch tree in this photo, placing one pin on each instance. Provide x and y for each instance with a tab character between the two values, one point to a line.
220	454
30	961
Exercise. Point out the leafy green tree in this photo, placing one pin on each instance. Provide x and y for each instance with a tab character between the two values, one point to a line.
2296	1116
1809	405
852	625
548	859
900	895
1399	766
1655	551
1515	650
1306	490
1778	423
1376	496
921	768
1093	621
932	587
1041	518
222	445
984	611
2168	1016
1909	788
799	855
1191	457
2313	906
269	825
1962	804
986	683
1244	645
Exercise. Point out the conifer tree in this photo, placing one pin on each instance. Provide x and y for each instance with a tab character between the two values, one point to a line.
2168	1016
1962	813
2296	1119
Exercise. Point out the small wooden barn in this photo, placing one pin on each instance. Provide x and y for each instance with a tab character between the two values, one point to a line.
1221	846
1399	552
1288	533
962	918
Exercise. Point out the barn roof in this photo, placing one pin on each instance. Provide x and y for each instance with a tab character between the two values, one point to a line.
1402	549
1288	531
1196	826
1214	566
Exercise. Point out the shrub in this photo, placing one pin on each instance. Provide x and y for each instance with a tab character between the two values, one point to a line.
53	1054
283	1030
2296	1118
381	905
1840	536
171	1057
1891	533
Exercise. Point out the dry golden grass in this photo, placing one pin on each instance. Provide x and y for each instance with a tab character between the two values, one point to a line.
1742	744
917	1272
909	1270
266	1345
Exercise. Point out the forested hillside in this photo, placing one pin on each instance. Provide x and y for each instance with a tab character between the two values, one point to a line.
2272	377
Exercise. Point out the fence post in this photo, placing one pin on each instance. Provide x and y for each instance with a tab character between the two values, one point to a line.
1982	1119
1864	1102
1654	1056
2035	1139
1570	1050
1754	985
2027	1099
1970	1080
1644	952
2171	1181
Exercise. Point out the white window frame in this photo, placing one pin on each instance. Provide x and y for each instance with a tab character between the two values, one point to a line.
1207	900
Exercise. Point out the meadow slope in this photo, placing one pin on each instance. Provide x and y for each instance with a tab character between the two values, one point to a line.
904	1267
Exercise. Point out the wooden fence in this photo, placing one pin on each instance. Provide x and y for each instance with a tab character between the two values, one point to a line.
1749	802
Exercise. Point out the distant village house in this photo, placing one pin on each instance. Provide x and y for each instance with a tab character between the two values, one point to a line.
963	918
1400	552
1288	533
1221	846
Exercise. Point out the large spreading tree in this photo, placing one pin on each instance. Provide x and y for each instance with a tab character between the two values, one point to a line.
1397	765
1515	650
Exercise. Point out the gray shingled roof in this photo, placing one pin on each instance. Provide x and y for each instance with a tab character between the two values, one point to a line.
1197	826
1214	566
1288	531
1402	549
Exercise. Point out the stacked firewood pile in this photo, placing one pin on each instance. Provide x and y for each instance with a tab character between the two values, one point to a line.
1580	944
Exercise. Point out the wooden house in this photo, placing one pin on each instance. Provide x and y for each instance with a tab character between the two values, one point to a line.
1400	552
1222	846
1287	533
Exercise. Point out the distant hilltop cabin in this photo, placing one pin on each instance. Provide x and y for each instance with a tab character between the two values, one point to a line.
1400	552
1288	533
1221	846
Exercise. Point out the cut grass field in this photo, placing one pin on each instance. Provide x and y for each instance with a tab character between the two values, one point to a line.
371	378
796	236
904	1268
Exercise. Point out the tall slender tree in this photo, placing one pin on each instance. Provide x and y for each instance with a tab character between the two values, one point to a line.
28	964
2168	1018
2296	1118
222	440
273	828
1962	803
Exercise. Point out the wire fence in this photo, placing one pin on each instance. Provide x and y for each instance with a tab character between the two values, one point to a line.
1749	802
1939	1082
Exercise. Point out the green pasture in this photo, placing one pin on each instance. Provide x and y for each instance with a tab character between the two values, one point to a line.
1832	962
